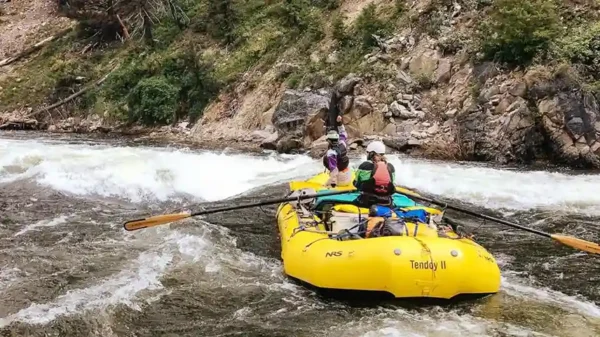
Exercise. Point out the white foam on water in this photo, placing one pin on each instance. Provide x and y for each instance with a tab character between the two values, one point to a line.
434	323
496	188
143	274
169	249
242	313
44	223
137	173
9	276
122	288
516	287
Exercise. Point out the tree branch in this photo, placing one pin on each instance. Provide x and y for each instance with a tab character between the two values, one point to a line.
70	98
34	48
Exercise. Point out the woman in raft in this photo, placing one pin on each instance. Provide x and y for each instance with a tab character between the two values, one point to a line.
375	178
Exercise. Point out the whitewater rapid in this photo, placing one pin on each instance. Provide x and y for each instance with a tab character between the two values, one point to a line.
138	174
207	256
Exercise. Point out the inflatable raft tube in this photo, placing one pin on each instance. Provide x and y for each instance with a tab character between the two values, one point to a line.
422	262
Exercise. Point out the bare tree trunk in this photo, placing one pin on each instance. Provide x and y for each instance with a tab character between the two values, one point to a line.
176	17
70	98
125	31
111	8
147	28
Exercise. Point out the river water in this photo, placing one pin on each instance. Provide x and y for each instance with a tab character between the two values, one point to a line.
69	269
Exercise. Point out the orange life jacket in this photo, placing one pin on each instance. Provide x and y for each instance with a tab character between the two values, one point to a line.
382	178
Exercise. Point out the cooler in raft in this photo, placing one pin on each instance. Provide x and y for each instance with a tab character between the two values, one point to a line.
426	260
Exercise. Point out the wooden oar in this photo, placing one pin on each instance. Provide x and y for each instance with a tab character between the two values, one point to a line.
133	225
566	240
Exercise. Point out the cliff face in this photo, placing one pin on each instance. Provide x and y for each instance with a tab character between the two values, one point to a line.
426	96
458	80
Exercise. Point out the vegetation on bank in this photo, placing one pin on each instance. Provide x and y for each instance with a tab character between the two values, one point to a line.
178	55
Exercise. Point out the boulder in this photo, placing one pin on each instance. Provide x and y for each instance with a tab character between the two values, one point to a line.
315	128
562	127
424	64
569	120
296	109
390	129
318	148
518	88
451	113
361	107
404	78
267	140
400	111
347	84
508	137
288	144
398	143
443	72
345	104
401	142
259	135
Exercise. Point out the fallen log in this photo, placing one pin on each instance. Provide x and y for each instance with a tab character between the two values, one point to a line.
20	124
34	48
125	31
70	98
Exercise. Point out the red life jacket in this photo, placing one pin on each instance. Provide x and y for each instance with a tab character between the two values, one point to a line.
382	178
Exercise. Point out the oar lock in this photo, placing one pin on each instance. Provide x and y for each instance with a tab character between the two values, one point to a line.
302	193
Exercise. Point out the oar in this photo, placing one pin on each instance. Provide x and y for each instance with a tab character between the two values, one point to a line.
570	241
133	225
296	185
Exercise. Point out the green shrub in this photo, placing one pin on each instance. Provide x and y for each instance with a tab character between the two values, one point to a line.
368	24
326	4
195	80
360	35
400	7
120	82
300	18
153	101
582	46
222	17
339	32
516	30
424	81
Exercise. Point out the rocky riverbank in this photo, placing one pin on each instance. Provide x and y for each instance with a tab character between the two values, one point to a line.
523	117
415	77
466	112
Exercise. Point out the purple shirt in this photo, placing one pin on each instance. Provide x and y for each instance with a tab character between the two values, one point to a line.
331	153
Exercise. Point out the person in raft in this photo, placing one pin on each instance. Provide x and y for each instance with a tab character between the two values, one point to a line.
336	158
375	178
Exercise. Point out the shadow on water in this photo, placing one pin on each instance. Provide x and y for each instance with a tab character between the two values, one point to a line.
383	299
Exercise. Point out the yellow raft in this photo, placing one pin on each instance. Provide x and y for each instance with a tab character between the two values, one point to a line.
434	263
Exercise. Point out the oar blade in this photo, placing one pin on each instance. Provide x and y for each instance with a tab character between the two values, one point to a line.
576	243
154	221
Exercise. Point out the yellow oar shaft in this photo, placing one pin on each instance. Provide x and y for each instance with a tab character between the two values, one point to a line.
166	218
